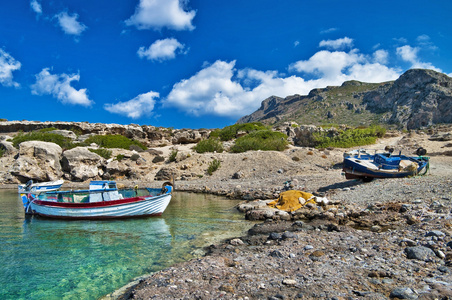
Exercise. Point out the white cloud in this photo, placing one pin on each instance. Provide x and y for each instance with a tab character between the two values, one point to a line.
7	65
401	40
220	89
69	24
157	14
59	86
36	6
337	44
381	56
296	43
135	108
334	68
161	50
410	55
328	30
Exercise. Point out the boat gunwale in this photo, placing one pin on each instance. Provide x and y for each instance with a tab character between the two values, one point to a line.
108	203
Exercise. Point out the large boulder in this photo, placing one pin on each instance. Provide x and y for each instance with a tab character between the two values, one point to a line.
39	161
82	164
7	147
117	168
66	133
186	137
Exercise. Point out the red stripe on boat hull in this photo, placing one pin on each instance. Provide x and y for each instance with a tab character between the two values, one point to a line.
89	204
98	218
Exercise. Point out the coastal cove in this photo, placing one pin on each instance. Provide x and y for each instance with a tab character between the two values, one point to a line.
52	259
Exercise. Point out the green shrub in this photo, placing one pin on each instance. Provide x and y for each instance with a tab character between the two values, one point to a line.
113	141
119	157
209	145
215	133
105	153
77	131
63	142
265	140
349	138
2	151
173	156
230	132
47	129
213	166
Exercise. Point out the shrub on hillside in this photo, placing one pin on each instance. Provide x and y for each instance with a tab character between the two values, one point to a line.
47	129
265	140
58	139
113	141
173	156
105	153
230	132
349	138
209	145
213	166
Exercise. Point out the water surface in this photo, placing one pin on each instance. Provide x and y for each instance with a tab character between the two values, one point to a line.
52	259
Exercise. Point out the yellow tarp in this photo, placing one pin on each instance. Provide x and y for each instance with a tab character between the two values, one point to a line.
290	200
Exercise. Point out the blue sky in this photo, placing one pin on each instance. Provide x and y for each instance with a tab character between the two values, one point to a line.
203	63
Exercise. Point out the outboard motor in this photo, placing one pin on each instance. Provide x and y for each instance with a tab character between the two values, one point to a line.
28	185
421	151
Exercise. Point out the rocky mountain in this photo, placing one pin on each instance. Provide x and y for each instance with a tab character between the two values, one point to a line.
419	98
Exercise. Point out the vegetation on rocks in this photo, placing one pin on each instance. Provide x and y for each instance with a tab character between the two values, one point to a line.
43	136
105	153
173	156
350	137
113	141
209	145
230	132
213	166
265	140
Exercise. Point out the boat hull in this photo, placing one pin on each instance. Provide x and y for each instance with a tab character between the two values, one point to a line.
40	187
356	168
124	208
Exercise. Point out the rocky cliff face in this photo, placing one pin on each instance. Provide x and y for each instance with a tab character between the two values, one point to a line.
419	98
149	135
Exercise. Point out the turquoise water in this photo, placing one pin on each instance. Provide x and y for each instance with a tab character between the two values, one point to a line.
51	259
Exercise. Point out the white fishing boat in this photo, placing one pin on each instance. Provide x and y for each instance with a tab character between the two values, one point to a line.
39	187
103	200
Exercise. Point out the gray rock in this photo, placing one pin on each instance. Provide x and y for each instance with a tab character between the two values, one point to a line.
288	235
81	163
403	293
38	161
166	174
436	233
274	236
276	253
7	147
419	253
66	133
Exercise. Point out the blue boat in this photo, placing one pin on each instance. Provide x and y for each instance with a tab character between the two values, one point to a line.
363	165
39	187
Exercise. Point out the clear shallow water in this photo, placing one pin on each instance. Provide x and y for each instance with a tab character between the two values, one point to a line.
51	259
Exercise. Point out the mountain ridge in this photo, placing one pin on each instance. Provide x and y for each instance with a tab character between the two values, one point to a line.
418	98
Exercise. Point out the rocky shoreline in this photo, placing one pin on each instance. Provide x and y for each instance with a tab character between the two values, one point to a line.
387	239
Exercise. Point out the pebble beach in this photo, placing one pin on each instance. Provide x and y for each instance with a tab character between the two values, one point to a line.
385	239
